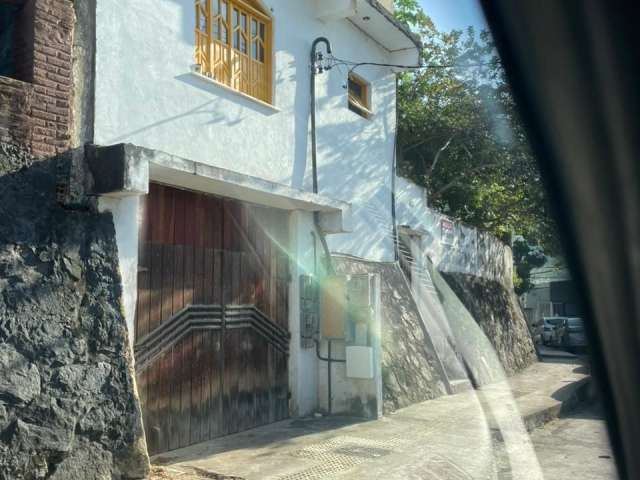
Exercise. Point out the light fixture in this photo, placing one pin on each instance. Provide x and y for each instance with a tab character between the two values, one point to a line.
366	19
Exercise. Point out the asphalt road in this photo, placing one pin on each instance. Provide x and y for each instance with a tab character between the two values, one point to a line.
575	447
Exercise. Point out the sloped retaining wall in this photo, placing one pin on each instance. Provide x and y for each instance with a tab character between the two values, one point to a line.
411	372
67	404
479	270
495	308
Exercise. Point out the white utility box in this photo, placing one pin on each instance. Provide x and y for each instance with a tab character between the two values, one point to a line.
359	362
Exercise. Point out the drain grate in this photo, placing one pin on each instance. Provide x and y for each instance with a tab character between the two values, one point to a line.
360	451
341	453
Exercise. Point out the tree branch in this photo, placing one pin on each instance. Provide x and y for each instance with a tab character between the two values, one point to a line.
456	181
437	157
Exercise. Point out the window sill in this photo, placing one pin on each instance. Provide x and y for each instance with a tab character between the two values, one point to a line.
215	83
366	113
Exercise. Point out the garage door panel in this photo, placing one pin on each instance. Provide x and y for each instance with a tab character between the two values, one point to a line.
178	278
215	414
184	417
211	326
176	397
231	383
198	389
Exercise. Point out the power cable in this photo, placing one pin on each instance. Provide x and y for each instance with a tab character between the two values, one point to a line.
339	61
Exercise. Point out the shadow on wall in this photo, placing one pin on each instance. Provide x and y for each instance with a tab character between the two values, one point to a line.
355	164
467	339
67	392
496	309
411	371
208	110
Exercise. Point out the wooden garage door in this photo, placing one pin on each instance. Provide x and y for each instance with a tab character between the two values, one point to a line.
211	320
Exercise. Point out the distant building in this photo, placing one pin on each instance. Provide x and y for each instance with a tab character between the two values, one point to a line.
553	294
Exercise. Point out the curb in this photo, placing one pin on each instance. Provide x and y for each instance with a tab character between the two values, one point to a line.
578	393
539	418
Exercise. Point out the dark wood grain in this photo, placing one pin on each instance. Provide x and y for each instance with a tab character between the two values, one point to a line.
185	392
176	395
198	249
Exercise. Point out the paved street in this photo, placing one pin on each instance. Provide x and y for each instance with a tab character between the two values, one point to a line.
577	444
472	435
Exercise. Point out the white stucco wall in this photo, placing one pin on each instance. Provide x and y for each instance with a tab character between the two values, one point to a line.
303	364
145	95
125	221
463	250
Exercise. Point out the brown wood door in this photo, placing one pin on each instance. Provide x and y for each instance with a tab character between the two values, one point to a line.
211	320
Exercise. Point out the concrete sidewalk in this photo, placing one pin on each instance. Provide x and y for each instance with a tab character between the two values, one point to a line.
478	434
554	352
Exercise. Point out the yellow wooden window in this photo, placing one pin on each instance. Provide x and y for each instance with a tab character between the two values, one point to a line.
359	96
233	45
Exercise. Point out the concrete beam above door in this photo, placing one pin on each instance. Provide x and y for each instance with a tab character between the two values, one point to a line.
124	169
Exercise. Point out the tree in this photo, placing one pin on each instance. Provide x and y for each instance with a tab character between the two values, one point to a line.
459	135
526	257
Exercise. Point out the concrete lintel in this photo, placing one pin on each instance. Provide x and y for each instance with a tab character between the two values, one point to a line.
116	173
153	165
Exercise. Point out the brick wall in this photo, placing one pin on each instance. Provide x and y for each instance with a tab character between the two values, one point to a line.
36	114
16	98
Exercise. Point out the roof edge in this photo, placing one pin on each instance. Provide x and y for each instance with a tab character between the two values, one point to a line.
415	39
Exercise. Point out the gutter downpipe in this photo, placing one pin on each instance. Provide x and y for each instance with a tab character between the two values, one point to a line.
315	56
394	170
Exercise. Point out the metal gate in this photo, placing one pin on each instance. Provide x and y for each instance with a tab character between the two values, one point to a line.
211	320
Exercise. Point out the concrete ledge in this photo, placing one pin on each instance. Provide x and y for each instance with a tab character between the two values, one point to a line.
126	169
116	173
536	414
554	398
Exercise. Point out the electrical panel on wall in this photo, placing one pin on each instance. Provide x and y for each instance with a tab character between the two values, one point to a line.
361	302
333	307
309	310
347	308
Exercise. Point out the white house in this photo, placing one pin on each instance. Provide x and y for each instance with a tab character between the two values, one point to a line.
202	110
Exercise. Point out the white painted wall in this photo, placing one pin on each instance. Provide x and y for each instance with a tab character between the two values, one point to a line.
303	363
126	221
145	95
466	250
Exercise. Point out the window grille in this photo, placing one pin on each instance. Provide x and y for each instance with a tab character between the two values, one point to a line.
233	45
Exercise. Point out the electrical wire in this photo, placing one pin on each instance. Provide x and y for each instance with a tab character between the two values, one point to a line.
339	61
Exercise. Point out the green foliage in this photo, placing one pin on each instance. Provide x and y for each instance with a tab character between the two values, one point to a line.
459	135
526	257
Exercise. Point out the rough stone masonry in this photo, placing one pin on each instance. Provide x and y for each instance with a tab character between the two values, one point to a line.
67	404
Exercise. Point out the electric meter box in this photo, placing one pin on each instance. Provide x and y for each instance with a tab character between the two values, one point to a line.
333	307
347	307
359	362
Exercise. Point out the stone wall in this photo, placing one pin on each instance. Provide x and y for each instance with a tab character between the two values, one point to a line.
68	408
495	307
35	111
451	245
478	268
411	372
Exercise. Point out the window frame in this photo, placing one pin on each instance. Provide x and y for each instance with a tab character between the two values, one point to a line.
248	70
359	104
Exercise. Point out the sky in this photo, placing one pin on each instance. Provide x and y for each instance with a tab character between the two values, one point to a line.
454	14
